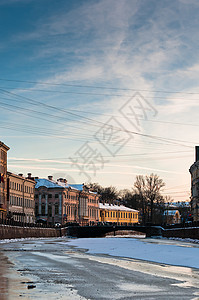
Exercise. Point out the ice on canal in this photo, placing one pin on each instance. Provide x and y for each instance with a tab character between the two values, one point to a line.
163	251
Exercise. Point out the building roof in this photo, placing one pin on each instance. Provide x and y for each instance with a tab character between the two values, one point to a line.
10	175
4	146
50	184
171	212
58	184
78	187
116	207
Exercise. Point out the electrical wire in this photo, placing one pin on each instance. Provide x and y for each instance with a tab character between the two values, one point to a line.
98	87
169	140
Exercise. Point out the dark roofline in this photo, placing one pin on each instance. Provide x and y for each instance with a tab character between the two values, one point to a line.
4	146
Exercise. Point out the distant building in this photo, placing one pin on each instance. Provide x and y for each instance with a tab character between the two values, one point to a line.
88	204
20	195
172	217
59	202
184	208
119	214
194	170
3	180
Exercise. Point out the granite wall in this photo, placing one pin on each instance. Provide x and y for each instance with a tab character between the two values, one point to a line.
189	232
13	232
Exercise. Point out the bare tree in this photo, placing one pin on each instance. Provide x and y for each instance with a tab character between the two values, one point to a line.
107	195
129	199
148	188
154	184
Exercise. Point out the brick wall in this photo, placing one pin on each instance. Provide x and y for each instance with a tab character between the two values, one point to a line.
12	232
190	232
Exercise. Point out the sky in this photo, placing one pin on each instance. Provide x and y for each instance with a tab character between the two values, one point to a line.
101	91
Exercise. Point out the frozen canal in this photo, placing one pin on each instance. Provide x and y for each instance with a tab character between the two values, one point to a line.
104	268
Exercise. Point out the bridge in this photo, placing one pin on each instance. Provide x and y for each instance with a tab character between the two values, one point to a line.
101	231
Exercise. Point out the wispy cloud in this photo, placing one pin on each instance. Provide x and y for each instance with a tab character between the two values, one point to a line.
144	45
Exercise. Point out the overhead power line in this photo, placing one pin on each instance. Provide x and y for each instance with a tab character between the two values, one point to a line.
97	87
97	123
88	93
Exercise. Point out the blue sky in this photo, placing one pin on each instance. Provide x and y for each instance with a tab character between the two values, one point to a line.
71	71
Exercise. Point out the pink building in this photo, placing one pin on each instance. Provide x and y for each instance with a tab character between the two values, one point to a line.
59	202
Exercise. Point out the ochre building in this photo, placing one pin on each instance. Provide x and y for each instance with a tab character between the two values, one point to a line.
117	214
20	194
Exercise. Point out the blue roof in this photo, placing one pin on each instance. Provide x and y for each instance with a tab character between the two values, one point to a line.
47	183
79	187
50	184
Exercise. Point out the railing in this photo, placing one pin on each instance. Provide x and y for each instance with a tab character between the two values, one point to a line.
182	225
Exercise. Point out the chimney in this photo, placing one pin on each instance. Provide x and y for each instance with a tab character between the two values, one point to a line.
197	152
50	177
29	175
60	179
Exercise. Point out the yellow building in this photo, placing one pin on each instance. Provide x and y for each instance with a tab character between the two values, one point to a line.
21	200
118	214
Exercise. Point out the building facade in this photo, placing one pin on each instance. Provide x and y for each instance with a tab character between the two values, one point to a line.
59	202
172	217
3	180
117	214
194	170
20	195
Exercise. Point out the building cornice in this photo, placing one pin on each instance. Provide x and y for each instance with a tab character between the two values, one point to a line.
10	174
194	166
4	146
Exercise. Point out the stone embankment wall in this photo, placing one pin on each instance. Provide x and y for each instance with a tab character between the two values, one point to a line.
13	232
189	232
124	232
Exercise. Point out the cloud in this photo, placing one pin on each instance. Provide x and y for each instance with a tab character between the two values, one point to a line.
143	45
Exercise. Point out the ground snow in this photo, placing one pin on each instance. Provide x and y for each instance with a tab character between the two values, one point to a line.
159	251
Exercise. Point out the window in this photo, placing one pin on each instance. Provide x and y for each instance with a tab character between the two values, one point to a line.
49	210
56	196
56	209
36	209
43	209
49	196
